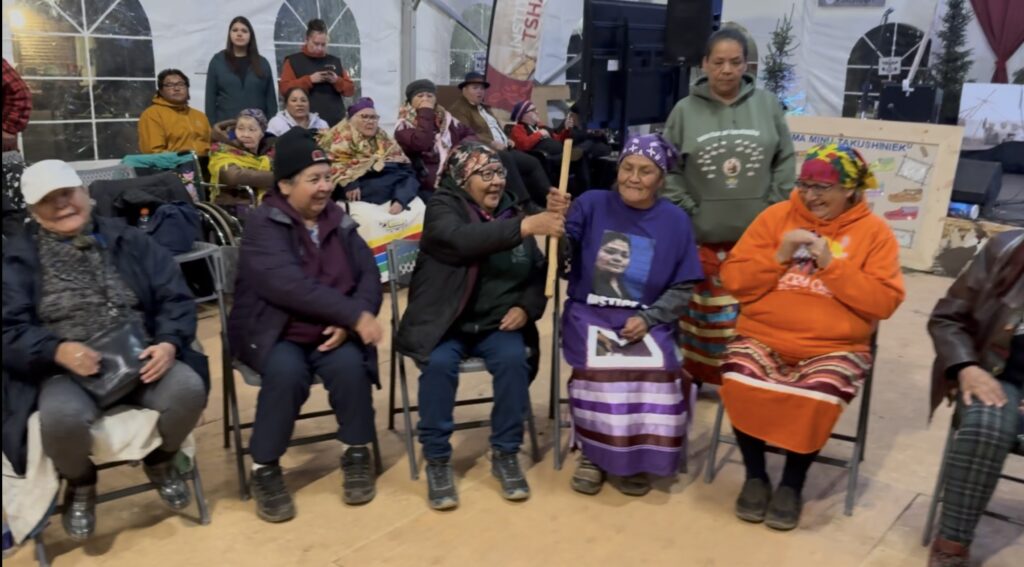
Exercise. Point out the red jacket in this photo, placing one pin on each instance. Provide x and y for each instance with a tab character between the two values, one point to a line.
525	137
17	101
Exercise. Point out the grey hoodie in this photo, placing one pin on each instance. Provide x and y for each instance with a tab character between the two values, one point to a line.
736	159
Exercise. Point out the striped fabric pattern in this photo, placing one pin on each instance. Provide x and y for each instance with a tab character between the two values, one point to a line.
793	407
629	421
710	319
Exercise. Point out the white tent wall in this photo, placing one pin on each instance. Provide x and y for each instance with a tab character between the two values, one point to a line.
827	35
186	33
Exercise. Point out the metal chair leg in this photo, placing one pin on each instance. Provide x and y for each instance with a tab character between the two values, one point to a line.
940	485
236	423
197	484
391	389
378	463
410	449
716	432
531	427
40	549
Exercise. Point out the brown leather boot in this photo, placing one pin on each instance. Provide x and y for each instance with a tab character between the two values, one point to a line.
946	553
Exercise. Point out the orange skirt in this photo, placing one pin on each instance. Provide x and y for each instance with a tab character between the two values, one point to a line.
796	406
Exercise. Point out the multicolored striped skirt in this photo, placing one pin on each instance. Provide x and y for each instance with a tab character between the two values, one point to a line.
792	406
710	319
631	421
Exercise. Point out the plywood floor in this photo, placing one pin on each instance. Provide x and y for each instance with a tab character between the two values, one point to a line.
682	522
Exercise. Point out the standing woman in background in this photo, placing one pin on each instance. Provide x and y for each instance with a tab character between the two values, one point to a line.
238	77
737	159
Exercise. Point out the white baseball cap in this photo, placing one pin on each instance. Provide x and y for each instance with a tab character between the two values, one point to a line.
44	177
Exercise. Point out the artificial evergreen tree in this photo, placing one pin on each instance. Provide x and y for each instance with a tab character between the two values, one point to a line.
1018	77
950	68
778	73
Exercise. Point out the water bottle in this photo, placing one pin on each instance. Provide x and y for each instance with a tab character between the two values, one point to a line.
143	219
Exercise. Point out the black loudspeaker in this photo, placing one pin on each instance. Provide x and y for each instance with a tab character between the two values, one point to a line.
978	182
690	23
919	105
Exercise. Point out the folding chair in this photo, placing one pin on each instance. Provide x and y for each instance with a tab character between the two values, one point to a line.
197	484
859	440
401	263
940	484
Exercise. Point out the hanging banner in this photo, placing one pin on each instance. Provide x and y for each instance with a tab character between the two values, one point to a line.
513	51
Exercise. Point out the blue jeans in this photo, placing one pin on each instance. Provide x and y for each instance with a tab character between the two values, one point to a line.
504	353
285	386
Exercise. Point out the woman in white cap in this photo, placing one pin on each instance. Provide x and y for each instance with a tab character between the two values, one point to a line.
69	277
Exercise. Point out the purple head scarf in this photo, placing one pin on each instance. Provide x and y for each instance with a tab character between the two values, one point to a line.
653	147
257	115
361	104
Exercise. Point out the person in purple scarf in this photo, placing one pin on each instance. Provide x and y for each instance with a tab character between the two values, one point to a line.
633	264
306	304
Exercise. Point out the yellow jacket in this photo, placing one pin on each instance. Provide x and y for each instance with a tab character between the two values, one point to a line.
168	127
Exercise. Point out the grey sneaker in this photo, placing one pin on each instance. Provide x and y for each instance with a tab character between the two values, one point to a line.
784	510
505	467
588	478
634	485
360	482
273	502
441	491
752	504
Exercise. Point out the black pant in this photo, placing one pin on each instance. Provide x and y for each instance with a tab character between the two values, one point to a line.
532	176
793	475
286	381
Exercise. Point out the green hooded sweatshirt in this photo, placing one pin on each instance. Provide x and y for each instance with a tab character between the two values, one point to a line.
737	159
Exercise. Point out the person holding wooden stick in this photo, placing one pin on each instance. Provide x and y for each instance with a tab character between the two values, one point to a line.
477	290
634	263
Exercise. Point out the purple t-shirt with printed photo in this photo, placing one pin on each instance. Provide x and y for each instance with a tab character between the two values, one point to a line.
624	260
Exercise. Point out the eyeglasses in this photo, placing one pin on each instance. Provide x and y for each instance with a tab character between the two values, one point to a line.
488	175
816	188
172	86
370	118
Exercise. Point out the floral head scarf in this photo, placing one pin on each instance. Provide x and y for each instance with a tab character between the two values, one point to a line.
838	163
465	160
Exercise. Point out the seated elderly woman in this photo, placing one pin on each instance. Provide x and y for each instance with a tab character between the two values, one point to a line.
633	266
240	152
367	163
170	124
528	133
814	275
306	303
70	277
477	290
978	331
296	113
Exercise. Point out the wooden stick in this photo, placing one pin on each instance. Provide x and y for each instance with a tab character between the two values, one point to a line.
563	187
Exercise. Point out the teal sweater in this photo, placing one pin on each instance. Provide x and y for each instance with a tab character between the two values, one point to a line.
737	159
227	94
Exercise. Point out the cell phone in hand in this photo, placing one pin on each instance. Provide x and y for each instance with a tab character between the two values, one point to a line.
331	68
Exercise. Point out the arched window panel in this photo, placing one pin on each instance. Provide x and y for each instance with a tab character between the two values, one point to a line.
464	49
894	40
90	67
342	33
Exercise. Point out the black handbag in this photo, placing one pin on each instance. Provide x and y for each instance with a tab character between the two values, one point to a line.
119	346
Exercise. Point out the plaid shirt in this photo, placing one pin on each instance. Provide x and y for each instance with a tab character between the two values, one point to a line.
17	101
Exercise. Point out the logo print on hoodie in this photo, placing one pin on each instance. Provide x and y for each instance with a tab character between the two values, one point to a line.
800	275
733	157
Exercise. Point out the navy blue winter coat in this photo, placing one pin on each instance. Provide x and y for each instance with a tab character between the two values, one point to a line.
29	348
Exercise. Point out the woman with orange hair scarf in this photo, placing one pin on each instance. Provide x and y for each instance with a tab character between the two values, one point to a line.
813	276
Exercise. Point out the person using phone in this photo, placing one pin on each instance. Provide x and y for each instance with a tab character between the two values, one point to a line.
319	74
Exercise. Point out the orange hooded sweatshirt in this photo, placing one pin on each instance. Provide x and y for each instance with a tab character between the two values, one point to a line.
169	127
800	311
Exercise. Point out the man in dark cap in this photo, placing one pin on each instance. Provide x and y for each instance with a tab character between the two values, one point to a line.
471	111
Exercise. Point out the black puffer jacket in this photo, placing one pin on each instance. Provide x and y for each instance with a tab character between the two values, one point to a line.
453	244
29	348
